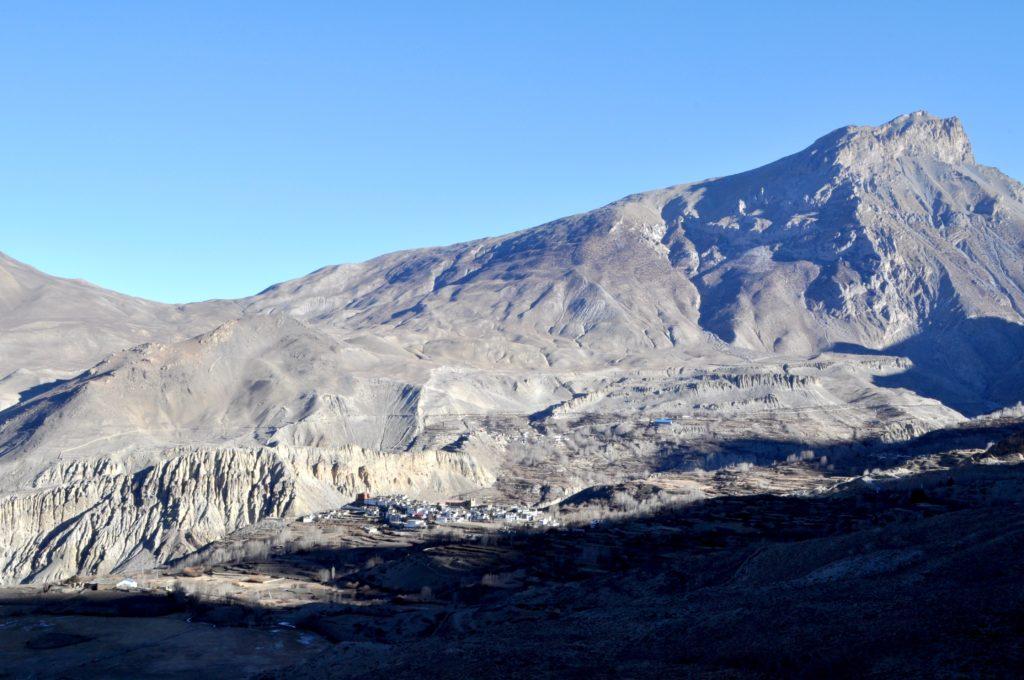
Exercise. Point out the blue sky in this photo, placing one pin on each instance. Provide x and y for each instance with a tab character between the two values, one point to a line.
182	151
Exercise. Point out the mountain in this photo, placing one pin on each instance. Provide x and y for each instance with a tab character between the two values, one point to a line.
869	238
246	380
866	290
51	328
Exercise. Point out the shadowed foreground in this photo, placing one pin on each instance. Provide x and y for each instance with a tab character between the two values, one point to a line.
914	577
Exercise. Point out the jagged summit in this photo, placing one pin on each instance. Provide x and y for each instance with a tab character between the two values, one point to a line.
914	135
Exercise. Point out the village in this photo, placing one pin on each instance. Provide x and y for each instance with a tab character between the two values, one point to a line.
402	513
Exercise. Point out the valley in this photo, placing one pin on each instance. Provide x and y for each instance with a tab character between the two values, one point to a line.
343	594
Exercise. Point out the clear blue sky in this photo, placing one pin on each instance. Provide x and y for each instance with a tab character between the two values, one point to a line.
181	151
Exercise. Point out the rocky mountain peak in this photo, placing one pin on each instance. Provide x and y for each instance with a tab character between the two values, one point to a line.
917	135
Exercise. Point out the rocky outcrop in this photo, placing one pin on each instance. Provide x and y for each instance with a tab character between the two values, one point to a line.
87	518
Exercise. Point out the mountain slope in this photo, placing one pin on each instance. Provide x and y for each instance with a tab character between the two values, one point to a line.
51	328
864	240
260	379
865	290
871	238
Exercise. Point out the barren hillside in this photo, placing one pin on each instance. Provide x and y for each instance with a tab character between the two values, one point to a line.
867	289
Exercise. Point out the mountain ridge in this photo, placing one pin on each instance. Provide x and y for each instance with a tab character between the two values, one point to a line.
868	288
837	265
52	328
691	223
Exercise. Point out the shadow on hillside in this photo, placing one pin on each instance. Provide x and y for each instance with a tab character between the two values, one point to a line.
974	366
29	411
902	579
42	388
848	457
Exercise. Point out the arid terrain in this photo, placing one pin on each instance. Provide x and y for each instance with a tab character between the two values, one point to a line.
758	425
864	578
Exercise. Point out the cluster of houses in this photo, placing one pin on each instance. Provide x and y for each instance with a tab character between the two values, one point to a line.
398	511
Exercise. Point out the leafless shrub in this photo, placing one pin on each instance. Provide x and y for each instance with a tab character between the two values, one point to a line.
625	506
303	544
204	591
624	502
445	536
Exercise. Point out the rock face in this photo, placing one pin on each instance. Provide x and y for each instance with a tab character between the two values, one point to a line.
868	234
260	379
869	286
96	516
